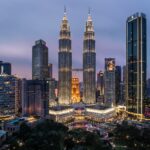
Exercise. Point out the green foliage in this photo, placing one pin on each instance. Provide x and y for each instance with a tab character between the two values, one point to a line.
132	137
49	135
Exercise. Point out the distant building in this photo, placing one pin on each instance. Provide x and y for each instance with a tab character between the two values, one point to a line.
148	88
7	94
100	86
124	83
109	82
5	68
136	62
117	83
35	97
50	70
18	97
89	63
40	60
122	93
52	89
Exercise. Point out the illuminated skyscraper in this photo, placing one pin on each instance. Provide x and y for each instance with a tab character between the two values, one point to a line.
40	60
89	63
65	63
136	51
109	78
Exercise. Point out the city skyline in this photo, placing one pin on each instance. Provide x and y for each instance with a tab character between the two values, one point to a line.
19	31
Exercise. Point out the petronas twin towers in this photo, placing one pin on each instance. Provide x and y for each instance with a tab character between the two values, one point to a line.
65	63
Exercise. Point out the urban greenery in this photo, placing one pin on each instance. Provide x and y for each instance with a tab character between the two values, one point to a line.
49	135
131	137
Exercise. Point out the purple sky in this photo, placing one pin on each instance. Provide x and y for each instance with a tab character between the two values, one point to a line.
24	21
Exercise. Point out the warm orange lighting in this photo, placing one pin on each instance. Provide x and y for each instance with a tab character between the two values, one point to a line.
75	90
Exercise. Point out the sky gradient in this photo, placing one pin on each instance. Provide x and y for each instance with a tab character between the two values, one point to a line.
22	22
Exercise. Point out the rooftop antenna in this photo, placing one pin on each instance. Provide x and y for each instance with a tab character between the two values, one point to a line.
65	10
89	11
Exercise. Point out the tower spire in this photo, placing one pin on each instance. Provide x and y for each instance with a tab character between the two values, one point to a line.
65	11
89	14
89	11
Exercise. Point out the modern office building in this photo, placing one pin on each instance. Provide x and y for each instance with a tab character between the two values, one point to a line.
5	68
117	84
136	59
7	94
35	97
89	63
18	97
40	60
109	82
64	63
52	89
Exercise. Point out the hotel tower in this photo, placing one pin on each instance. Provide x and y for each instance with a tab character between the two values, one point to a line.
89	63
65	63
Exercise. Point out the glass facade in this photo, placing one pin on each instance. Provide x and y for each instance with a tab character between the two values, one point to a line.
40	60
136	63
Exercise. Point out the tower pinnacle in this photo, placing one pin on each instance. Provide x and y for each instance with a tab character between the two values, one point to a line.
65	11
89	11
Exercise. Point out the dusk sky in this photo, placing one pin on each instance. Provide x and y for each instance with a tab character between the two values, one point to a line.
22	22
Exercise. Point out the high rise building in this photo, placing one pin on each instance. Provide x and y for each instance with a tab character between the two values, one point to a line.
5	68
18	97
124	85
109	82
117	84
52	88
136	60
50	70
65	63
89	63
40	60
35	97
7	94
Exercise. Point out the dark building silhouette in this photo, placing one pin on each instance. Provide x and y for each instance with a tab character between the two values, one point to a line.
35	97
117	84
5	68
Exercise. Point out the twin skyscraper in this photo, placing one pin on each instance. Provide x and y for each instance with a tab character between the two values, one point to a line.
65	63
